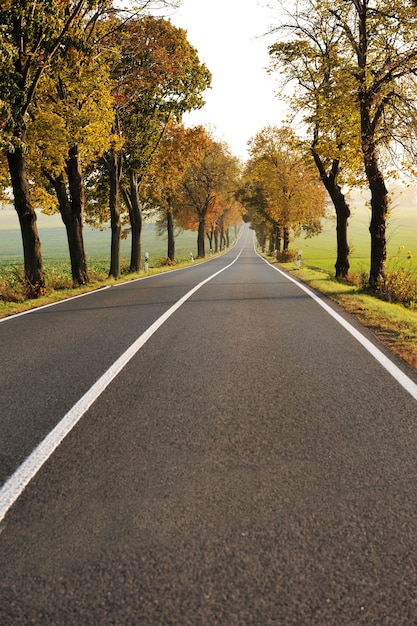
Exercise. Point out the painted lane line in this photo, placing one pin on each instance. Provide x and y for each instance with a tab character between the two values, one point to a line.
17	482
402	378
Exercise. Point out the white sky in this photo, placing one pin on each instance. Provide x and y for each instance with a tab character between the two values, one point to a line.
228	37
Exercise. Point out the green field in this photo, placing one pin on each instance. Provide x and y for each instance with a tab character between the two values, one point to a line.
97	243
317	252
320	251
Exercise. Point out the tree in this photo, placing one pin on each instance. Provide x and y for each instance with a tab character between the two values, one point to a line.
162	182
284	183
72	125
381	49
33	33
313	58
252	195
228	213
209	179
158	77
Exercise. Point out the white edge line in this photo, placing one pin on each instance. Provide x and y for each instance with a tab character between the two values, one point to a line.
18	481
402	378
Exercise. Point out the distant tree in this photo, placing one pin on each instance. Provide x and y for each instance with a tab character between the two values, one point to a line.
283	184
252	195
163	180
228	213
211	178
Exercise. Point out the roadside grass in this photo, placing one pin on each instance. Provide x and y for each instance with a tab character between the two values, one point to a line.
393	315
394	324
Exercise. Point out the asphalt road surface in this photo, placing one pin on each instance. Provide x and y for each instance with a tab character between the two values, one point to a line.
248	460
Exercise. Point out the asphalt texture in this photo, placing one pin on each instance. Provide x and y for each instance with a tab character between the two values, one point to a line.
251	465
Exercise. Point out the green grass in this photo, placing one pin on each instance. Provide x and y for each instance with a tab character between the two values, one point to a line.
321	251
395	324
97	242
56	262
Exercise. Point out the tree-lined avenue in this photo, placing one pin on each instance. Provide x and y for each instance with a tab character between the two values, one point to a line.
252	463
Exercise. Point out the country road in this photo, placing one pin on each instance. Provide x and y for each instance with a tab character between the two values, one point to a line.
211	446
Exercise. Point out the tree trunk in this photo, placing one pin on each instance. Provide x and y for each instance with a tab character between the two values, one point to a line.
286	238
74	221
210	236
379	193
114	164
200	238
271	240
220	229
379	207
135	214
377	229
216	240
170	231
71	226
342	264
223	242
342	213
277	236
35	278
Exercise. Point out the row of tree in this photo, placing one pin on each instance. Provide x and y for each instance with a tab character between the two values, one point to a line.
91	101
354	63
87	92
281	190
192	182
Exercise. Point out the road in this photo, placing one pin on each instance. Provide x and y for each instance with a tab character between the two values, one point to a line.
251	460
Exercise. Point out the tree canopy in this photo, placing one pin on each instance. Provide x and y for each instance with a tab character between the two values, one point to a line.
34	35
210	181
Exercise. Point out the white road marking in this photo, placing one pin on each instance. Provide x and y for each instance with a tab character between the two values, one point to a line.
404	380
16	484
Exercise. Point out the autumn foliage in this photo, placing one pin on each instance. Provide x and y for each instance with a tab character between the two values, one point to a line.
192	183
281	189
81	85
